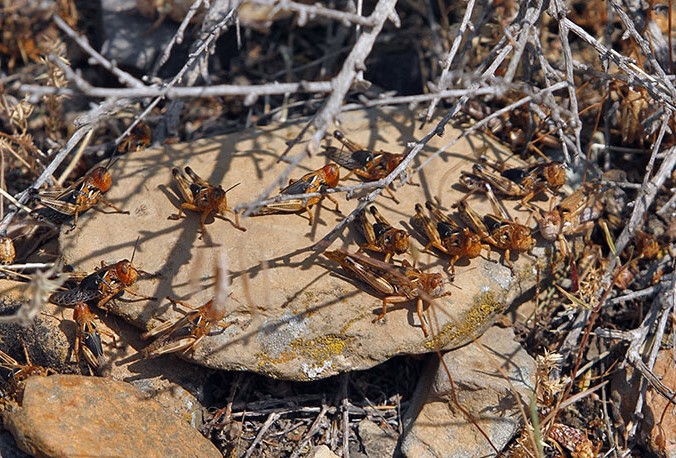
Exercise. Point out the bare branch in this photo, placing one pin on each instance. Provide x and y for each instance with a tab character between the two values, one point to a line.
251	92
443	79
306	12
122	76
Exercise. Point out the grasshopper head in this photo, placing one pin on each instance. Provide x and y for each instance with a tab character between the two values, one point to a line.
550	225
471	243
398	240
217	199
126	272
101	178
521	239
555	175
330	175
432	284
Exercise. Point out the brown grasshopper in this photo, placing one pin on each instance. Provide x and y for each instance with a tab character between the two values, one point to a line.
366	164
499	231
381	236
393	283
88	337
102	285
182	334
518	182
139	138
314	182
15	374
63	204
202	197
575	214
446	236
7	251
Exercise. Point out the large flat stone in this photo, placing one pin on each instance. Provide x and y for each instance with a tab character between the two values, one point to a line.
294	318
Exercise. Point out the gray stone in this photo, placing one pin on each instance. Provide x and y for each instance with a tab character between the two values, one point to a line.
436	427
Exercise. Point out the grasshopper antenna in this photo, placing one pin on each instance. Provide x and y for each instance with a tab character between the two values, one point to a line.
232	187
133	253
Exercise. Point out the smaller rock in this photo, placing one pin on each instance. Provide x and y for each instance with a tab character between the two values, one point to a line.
376	441
72	415
435	427
322	451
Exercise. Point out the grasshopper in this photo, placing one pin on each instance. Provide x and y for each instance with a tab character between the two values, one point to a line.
381	236
14	374
88	337
518	182
184	333
499	231
446	236
102	285
575	214
62	204
202	197
314	182
366	164
393	283
7	251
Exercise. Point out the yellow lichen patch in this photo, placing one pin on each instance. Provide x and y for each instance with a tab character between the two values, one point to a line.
316	353
320	349
471	325
284	357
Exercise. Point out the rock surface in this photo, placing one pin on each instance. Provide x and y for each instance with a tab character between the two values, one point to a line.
293	316
435	427
70	415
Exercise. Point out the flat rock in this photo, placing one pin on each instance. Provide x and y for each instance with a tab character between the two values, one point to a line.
72	415
292	316
435	427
